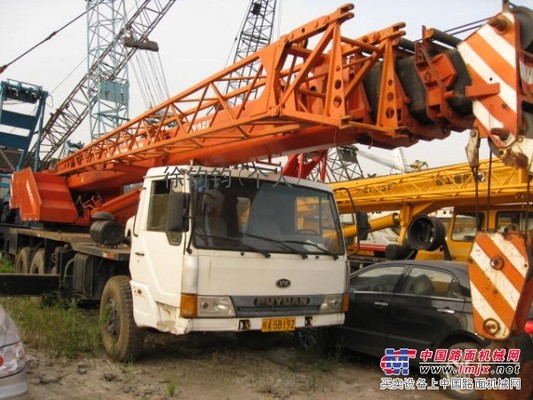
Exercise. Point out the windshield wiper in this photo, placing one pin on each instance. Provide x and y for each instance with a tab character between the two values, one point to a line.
280	243
322	249
233	240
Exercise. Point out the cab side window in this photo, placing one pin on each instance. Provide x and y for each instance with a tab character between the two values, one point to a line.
465	226
157	212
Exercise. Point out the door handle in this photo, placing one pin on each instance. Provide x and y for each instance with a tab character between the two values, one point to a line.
139	253
445	311
381	303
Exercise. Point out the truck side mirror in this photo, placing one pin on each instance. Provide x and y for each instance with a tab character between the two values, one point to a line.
178	212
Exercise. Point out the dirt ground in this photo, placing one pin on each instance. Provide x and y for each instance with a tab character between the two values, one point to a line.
213	366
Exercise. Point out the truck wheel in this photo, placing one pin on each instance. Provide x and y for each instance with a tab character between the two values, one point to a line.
122	339
37	267
37	263
22	260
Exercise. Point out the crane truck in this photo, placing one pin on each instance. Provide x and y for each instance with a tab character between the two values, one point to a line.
214	249
395	201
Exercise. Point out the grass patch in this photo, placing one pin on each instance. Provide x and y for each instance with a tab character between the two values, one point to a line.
7	266
63	329
171	389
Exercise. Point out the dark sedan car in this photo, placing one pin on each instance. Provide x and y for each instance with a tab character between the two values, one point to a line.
410	304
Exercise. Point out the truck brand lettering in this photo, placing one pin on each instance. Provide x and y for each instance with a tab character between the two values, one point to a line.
281	301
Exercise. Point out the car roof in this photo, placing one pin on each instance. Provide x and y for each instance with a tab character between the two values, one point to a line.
427	263
457	268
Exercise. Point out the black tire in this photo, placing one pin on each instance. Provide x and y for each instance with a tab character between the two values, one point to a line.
122	339
460	394
23	260
37	267
37	263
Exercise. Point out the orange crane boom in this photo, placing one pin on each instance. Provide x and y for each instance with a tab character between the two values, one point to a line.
364	90
298	94
379	89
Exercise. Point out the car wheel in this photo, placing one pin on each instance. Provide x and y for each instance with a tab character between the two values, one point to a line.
445	373
122	338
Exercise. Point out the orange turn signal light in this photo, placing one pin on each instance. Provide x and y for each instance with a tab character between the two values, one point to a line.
345	302
188	306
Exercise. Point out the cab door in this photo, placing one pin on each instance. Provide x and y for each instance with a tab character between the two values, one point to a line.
156	256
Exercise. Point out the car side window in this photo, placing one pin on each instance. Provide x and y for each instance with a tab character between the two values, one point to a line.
430	282
376	279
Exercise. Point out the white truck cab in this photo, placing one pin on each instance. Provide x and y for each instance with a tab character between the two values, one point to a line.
234	250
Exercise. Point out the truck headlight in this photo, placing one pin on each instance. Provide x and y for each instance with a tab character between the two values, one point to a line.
332	304
215	306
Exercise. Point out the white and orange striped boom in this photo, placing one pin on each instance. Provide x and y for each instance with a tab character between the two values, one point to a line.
500	277
500	65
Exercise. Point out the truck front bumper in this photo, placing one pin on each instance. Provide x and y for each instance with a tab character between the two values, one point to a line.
184	326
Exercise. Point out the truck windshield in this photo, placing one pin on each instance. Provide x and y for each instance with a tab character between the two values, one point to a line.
244	214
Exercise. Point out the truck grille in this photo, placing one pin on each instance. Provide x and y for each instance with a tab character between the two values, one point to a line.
261	306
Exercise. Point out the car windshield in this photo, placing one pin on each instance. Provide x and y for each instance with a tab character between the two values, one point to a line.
245	214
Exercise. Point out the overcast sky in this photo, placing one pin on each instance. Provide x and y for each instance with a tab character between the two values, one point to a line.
196	38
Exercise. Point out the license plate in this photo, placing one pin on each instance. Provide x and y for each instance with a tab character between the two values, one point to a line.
278	324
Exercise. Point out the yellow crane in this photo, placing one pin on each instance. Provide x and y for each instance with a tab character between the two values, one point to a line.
406	196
